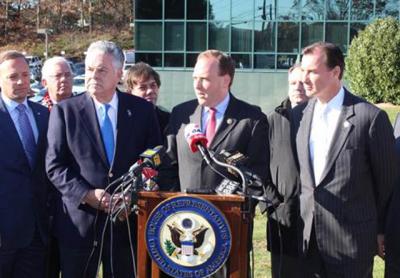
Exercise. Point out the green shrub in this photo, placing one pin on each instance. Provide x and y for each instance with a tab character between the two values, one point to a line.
373	62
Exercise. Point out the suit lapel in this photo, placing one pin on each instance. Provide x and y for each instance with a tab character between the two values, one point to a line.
8	129
196	116
303	140
343	128
91	124
228	122
41	123
124	126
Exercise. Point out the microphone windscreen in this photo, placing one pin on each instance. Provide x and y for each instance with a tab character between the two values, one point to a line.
194	136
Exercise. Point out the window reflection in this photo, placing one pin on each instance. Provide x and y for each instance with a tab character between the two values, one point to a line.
337	33
174	9
196	36
242	61
242	36
219	36
173	60
311	32
286	61
153	59
355	28
337	9
362	9
264	9
148	35
219	9
264	61
387	8
264	36
288	9
191	59
288	37
242	10
312	9
196	9
148	9
174	36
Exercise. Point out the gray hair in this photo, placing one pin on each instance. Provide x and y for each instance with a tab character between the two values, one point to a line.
49	63
111	48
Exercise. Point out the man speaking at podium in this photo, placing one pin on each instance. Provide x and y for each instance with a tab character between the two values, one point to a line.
228	123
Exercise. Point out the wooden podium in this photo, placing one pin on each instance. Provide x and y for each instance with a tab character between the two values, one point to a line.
232	206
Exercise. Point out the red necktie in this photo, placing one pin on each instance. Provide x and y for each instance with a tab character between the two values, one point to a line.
211	126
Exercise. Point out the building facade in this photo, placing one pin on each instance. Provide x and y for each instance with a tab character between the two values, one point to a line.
263	36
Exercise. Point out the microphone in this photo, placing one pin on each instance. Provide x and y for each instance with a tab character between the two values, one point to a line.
149	158
197	140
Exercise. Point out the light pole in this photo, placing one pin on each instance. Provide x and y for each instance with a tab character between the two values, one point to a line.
45	31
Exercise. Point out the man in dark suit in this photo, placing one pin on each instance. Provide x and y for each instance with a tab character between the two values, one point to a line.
57	79
282	222
143	81
229	124
392	232
346	154
23	182
93	139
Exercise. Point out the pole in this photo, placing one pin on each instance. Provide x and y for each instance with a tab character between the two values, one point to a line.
47	45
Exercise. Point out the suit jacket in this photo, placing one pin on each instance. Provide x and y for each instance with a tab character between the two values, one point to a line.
23	190
348	207
286	178
392	238
243	128
76	161
163	118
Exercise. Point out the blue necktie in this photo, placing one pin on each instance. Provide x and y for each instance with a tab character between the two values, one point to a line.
107	133
26	133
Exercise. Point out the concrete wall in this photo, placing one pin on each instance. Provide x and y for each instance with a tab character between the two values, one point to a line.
264	89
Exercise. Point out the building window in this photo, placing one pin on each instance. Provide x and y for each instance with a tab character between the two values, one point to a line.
259	34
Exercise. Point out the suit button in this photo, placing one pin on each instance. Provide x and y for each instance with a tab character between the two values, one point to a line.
110	175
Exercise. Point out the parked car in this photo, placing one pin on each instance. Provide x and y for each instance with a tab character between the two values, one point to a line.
79	68
34	61
37	90
78	85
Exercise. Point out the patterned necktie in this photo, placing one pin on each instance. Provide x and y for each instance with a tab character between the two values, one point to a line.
211	126
107	133
26	133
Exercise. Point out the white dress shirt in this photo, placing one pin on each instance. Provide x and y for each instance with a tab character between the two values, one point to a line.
112	113
219	113
323	126
11	107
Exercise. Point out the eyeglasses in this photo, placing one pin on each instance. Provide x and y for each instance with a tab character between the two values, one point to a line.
61	75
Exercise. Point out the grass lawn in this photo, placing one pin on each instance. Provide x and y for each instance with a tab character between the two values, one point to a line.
262	257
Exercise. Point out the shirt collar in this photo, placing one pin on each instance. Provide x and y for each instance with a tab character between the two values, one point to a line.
222	106
11	104
335	103
113	103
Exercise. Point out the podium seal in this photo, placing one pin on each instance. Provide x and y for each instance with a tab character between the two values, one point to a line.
188	237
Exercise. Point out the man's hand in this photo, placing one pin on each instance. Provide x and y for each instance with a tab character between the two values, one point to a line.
98	199
381	245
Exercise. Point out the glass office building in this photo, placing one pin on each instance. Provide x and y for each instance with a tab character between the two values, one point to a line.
263	36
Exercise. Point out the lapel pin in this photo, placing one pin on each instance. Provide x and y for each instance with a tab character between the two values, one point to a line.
346	124
129	113
229	121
